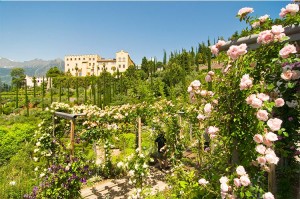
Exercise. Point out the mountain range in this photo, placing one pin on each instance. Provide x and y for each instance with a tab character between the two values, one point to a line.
36	67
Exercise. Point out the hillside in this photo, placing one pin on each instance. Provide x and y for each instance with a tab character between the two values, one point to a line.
36	67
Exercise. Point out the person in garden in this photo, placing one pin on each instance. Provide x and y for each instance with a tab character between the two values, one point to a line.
161	151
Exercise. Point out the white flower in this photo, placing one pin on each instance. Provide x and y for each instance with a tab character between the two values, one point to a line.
131	173
223	180
35	150
202	181
240	170
35	159
38	144
12	183
120	164
42	175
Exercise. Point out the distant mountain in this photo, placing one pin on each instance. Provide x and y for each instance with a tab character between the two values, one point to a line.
36	67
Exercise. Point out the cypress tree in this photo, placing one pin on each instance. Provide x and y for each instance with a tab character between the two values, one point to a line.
43	93
165	58
17	96
34	86
51	91
59	91
26	100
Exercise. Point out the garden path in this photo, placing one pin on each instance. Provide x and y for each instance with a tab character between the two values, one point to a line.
121	189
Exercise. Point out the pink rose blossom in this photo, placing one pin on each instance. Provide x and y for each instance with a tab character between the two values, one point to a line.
220	43
250	98
263	97
279	102
271	136
256	103
196	83
224	187
262	115
208	78
214	50
240	170
272	158
237	182
265	37
201	117
277	30
212	130
242	49
268	195
223	180
287	50
268	143
202	181
203	93
283	12
233	52
263	18
211	73
295	74
261	149
207	108
258	138
210	93
189	89
287	75
255	24
261	160
274	124
292	8
245	181
245	11
279	37
246	82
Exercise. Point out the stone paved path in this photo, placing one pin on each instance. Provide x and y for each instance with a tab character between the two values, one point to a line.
120	189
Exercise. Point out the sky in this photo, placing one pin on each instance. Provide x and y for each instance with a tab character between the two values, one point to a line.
53	29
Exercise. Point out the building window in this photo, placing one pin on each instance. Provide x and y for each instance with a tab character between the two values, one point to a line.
123	58
119	65
94	59
67	64
83	58
67	59
75	59
89	64
123	65
70	59
79	59
90	59
119	58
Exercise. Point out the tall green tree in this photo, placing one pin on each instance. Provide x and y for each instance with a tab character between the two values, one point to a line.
18	77
54	72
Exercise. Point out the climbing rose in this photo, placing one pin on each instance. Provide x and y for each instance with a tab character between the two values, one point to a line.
196	83
261	149
208	78
224	187
265	37
237	182
245	181
258	138
287	75
292	8
256	103
235	51
212	130
223	180
244	11
214	50
200	117
211	73
263	97
255	24
220	43
272	158
279	102
263	18
287	50
262	115
274	124
271	136
276	30
250	98
246	82
189	89
240	170
261	160
202	181
268	195
207	108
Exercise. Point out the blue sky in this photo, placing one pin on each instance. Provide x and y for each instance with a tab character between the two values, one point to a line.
53	29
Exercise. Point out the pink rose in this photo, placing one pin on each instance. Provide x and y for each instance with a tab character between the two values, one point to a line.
263	97
268	195
242	49
277	30
203	93
201	117
292	8
189	89
279	102
262	115
295	74
255	24
240	170
237	182
211	73
268	143
208	78
246	82
245	181
202	181
245	11
283	12
214	50
272	158
258	138
220	43
287	50
263	18
224	187
233	52
212	130
223	180
287	75
261	160
256	103
260	149
271	136
274	124
250	98
279	37
207	108
265	37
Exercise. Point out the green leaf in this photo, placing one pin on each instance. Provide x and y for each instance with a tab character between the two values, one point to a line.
271	87
242	194
248	194
285	134
183	184
290	85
